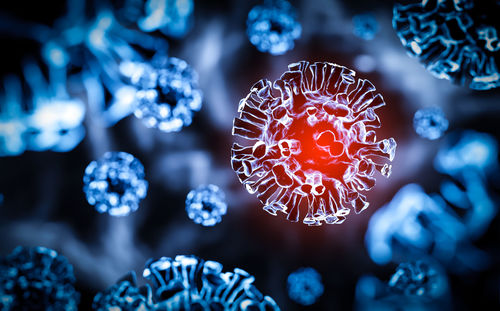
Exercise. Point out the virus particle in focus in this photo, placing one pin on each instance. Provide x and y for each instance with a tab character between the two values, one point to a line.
430	123
273	27
304	286
115	183
124	296
171	95
206	205
310	143
171	17
37	279
190	283
365	26
455	40
418	278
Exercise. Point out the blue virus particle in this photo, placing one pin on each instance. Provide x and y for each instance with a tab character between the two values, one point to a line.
430	123
169	97
304	286
37	278
115	183
206	205
365	26
12	119
313	146
273	27
171	17
455	40
418	278
124	296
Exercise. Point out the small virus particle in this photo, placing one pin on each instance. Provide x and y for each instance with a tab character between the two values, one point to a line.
311	144
206	205
171	17
37	279
273	27
430	123
115	183
455	40
365	26
169	96
304	286
418	278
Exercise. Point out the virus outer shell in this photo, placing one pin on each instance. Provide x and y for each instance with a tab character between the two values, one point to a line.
115	183
313	143
206	205
365	26
124	296
430	123
189	283
37	279
305	286
168	100
273	27
455	40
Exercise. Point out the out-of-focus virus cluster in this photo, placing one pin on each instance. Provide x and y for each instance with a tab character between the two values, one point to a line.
169	96
115	183
416	224
188	283
305	286
455	40
430	123
314	146
272	27
415	286
206	205
37	278
365	26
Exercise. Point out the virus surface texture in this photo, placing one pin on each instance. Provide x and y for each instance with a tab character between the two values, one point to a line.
273	27
430	123
115	183
305	286
455	40
206	205
312	146
37	279
124	296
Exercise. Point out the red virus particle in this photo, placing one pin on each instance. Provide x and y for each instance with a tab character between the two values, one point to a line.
308	142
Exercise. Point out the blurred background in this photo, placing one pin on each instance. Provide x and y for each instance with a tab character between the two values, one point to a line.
43	203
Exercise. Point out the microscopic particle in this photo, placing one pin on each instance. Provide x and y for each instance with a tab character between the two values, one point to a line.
304	286
171	17
430	123
312	145
365	26
455	40
115	183
206	205
418	278
37	278
273	27
168	100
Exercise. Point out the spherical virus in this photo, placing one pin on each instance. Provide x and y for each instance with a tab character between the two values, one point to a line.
430	123
37	279
305	286
310	144
168	95
365	26
115	183
455	40
206	205
273	27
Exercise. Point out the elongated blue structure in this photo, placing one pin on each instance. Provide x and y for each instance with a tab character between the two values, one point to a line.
206	205
305	286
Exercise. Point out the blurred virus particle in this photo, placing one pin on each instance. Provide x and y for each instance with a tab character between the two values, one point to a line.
37	278
273	27
455	40
304	286
12	119
124	296
365	26
115	183
206	205
418	278
430	123
172	17
310	144
169	98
